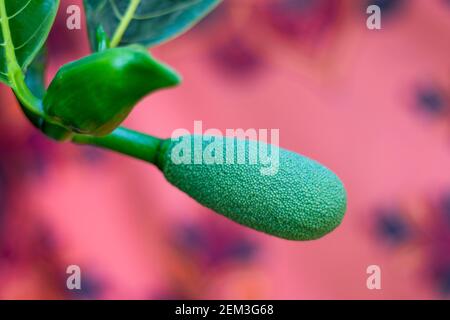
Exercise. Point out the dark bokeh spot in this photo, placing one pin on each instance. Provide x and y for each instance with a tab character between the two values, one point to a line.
91	287
445	282
191	237
236	57
392	227
243	250
305	18
441	278
213	245
431	100
386	6
445	206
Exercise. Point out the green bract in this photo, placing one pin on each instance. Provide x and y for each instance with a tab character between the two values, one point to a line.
95	94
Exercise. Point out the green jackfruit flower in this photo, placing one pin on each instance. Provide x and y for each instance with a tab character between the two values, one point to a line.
301	200
290	197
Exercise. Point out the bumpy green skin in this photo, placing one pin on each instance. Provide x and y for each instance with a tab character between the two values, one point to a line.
303	201
95	94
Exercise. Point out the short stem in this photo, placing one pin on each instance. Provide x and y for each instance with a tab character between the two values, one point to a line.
124	23
125	141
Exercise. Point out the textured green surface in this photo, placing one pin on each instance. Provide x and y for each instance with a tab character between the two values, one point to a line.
303	201
95	94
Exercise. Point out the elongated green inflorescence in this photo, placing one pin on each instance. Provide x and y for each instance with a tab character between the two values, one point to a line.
261	186
300	200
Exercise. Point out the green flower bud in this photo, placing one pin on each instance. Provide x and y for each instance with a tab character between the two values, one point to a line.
95	94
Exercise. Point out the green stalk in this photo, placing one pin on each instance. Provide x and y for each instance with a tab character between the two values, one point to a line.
125	141
124	23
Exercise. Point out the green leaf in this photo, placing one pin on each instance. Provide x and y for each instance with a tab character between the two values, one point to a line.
95	94
149	23
25	25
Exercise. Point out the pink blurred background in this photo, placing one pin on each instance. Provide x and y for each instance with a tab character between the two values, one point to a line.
374	106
